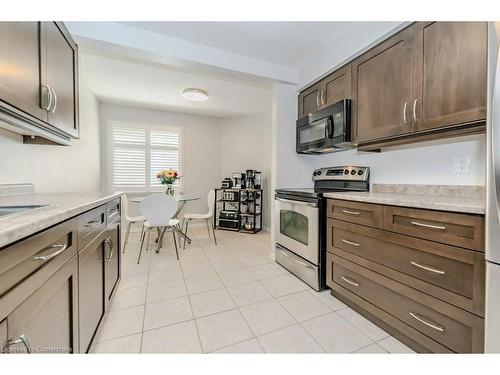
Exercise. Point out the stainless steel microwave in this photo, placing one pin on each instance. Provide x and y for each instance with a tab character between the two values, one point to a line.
327	130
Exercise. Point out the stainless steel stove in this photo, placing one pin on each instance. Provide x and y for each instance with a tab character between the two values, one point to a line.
300	227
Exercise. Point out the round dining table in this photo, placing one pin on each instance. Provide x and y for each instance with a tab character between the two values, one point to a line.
182	201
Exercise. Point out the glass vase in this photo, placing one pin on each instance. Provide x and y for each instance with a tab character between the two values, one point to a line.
170	190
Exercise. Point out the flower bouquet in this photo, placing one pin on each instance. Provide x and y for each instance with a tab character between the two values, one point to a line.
168	177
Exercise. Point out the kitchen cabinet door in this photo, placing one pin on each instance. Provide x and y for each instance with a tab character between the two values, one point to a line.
20	71
61	56
3	336
47	321
382	89
309	99
91	278
449	74
112	258
337	86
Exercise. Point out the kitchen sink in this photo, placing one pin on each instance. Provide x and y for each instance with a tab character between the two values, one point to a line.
9	210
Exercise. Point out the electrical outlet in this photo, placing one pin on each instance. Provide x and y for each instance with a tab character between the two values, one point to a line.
462	165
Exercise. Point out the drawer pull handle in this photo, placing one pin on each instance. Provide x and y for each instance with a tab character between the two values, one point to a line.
428	324
428	225
54	254
113	211
350	242
349	281
111	251
93	224
20	340
351	212
428	268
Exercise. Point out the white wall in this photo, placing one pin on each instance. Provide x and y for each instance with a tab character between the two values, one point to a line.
56	168
201	157
341	48
246	144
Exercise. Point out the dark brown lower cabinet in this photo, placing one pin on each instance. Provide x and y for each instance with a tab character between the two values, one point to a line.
424	289
91	277
47	321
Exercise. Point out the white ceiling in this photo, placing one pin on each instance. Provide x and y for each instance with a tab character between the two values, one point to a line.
157	87
286	43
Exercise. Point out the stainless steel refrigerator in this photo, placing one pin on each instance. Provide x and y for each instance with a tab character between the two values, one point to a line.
492	329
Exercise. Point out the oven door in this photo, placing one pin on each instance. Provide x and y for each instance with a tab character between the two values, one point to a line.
297	227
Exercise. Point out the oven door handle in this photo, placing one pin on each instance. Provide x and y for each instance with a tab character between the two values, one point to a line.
300	203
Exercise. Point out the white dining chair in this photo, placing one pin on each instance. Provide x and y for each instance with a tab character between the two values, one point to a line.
206	216
158	210
130	219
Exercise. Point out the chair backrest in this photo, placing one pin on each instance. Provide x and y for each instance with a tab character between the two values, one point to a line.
211	202
158	209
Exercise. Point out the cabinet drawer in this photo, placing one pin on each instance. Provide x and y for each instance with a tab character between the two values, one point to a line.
446	227
452	274
46	251
355	212
113	210
90	225
454	328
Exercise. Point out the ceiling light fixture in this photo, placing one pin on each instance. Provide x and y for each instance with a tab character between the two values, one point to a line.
195	95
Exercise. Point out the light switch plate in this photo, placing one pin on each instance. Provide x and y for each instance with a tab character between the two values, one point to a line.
462	165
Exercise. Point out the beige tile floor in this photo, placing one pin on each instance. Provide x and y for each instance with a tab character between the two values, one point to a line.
230	298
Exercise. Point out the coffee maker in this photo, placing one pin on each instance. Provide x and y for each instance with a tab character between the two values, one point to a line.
238	180
253	179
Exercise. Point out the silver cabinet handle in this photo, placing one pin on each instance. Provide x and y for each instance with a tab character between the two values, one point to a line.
54	254
350	242
322	97
415	110
404	113
55	102
49	92
428	225
20	340
351	212
349	281
112	246
113	211
317	99
93	224
428	268
427	323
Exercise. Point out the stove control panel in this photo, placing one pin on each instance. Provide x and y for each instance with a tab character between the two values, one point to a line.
348	173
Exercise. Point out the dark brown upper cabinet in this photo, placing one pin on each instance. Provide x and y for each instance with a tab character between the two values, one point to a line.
425	82
382	89
39	80
449	73
20	84
61	75
331	89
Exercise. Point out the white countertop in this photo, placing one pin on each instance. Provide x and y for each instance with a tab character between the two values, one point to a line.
472	204
61	206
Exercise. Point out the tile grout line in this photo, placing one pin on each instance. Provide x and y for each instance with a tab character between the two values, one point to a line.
192	310
145	299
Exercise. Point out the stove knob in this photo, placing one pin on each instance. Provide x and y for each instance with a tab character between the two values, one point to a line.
353	172
360	172
346	172
319	173
315	173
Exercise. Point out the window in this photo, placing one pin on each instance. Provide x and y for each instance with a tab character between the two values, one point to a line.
138	153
